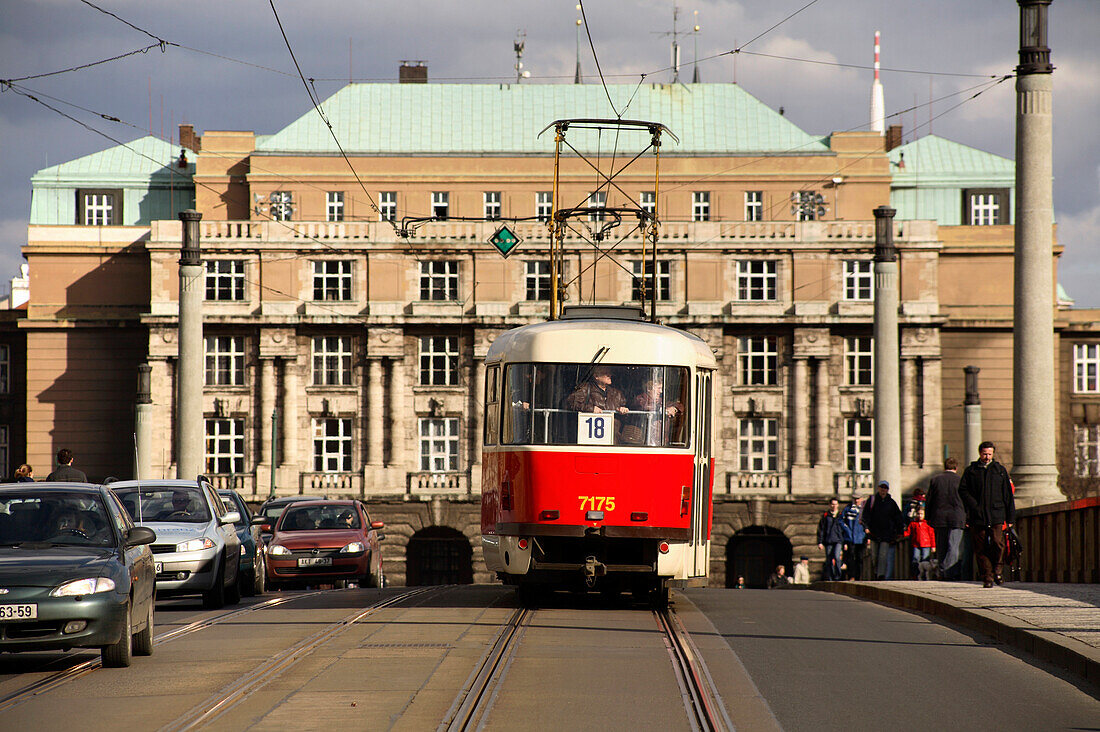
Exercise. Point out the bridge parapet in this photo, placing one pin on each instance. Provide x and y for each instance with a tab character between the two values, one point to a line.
1061	541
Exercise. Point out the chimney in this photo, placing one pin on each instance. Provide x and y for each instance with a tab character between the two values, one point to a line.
189	139
893	137
413	72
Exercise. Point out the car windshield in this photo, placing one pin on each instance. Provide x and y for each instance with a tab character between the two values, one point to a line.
77	519
559	404
151	504
314	518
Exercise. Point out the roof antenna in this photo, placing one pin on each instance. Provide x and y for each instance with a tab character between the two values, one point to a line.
878	105
520	42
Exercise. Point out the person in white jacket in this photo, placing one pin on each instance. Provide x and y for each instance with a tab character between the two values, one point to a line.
802	572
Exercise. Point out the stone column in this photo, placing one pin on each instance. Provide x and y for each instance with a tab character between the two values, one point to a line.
908	412
800	417
398	407
375	425
887	421
821	411
143	425
267	406
972	414
192	288
1033	426
290	420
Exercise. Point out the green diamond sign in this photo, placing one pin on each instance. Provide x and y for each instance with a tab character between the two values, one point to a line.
505	240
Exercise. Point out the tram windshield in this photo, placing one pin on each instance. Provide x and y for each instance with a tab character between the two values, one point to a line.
598	404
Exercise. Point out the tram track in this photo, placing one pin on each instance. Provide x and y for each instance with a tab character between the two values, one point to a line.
231	695
703	703
471	707
84	668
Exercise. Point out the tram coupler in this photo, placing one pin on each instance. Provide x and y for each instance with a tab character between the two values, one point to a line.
593	568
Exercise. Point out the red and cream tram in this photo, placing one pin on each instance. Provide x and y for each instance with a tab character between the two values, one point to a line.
597	468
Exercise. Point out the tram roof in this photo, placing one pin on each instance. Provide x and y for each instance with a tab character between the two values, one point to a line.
579	340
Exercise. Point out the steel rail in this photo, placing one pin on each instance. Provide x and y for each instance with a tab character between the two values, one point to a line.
470	707
84	668
703	703
231	695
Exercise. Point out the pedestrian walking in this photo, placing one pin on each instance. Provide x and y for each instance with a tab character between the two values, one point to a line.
830	537
65	471
883	521
987	492
24	474
947	517
855	536
922	540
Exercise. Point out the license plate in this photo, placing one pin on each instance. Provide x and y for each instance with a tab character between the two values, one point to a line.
315	562
158	567
18	612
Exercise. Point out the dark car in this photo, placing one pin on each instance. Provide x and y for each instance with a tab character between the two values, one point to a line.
273	508
75	572
325	542
253	573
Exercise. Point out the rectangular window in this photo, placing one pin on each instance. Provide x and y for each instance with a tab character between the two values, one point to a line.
492	404
99	207
664	280
332	280
5	369
282	205
756	279
754	205
1086	440
544	205
648	202
332	361
334	206
5	450
859	279
224	360
700	206
387	205
225	280
331	445
1086	368
492	204
859	444
859	361
597	200
985	207
439	444
759	360
536	278
224	446
759	445
807	205
439	280
441	205
439	361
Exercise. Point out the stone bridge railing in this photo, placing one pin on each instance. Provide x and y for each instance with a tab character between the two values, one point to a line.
1061	541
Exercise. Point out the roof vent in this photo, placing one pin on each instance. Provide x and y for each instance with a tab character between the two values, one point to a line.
602	312
413	72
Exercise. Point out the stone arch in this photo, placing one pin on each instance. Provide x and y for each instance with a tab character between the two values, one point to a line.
438	555
753	553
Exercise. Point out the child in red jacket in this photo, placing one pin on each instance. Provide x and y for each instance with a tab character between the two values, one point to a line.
923	540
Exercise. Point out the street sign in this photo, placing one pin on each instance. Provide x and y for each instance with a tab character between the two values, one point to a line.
504	240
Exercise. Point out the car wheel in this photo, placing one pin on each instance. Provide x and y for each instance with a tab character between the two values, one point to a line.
214	598
118	655
259	575
143	639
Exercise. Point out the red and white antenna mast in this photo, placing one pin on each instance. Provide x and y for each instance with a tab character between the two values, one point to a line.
878	104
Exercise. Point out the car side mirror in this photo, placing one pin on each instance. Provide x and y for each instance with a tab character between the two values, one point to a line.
378	524
259	520
231	517
139	536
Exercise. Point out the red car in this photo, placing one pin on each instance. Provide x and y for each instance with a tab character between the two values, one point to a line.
325	542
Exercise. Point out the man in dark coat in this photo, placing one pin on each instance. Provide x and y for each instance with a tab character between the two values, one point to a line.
830	537
947	517
883	520
65	471
986	490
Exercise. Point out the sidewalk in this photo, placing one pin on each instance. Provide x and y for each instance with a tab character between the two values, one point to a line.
1059	623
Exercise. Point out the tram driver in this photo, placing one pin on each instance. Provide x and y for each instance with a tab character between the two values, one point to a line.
597	394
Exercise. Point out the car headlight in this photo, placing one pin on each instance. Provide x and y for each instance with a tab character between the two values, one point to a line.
88	586
195	545
353	548
278	550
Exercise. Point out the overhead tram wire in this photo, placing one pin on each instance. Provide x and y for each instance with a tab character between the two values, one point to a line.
321	114
126	22
136	51
596	58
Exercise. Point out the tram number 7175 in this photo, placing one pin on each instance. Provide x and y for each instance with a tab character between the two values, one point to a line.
597	503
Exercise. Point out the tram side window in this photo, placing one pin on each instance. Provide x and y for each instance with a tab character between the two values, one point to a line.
492	405
647	404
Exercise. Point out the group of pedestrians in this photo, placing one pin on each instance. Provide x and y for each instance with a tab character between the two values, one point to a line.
65	471
981	500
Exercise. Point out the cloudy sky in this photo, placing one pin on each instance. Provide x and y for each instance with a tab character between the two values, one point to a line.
230	69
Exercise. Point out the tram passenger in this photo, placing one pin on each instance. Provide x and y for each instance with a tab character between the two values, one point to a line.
661	418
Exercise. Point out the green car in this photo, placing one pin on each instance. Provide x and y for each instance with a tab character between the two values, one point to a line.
75	572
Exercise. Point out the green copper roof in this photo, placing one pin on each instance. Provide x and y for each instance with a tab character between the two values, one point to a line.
931	158
507	119
144	158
